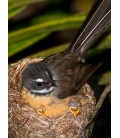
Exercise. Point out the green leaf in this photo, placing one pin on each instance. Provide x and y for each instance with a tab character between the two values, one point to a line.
50	51
105	78
106	43
49	16
17	47
14	12
100	48
72	22
13	4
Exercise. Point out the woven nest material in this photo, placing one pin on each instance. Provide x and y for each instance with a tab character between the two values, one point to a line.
25	122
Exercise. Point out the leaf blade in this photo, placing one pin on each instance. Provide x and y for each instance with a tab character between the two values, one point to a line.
17	47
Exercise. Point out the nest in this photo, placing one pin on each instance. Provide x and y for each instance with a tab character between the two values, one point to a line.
25	122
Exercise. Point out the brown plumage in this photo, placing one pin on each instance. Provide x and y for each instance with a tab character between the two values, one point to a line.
24	121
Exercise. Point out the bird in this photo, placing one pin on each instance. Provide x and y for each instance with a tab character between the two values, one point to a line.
50	97
52	86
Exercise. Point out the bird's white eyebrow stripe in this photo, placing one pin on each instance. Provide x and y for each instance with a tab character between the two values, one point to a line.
47	73
43	90
39	80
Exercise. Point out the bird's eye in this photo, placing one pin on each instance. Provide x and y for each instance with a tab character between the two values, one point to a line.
79	104
39	83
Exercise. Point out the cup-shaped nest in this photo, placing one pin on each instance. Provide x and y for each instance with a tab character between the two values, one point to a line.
25	122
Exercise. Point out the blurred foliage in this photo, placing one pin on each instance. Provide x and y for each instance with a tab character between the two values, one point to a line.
45	27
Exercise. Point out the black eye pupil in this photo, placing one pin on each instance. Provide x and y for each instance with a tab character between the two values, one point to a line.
39	83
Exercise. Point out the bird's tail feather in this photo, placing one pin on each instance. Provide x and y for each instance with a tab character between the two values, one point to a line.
96	23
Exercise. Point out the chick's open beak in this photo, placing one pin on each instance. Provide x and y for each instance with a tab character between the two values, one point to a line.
74	105
75	111
42	111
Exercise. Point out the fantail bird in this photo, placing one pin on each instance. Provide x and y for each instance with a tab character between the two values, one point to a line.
49	85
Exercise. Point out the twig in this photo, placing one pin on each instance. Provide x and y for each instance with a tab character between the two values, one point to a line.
97	107
101	100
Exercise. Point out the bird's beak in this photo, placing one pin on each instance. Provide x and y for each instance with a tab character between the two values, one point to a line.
74	110
42	111
51	84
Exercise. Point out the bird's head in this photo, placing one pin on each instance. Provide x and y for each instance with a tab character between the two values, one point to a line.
74	106
38	79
